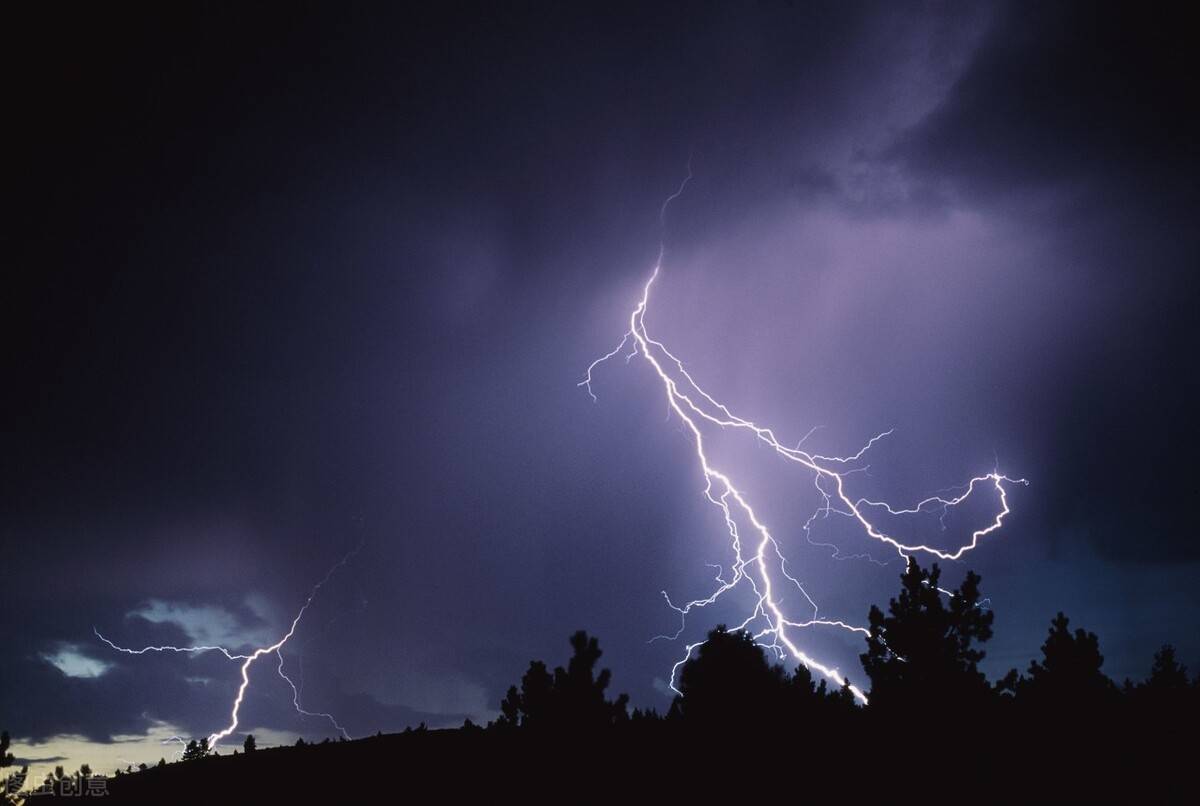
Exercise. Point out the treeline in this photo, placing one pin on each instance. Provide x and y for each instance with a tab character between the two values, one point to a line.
921	663
1059	730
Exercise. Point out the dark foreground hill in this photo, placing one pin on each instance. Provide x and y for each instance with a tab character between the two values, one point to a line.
949	763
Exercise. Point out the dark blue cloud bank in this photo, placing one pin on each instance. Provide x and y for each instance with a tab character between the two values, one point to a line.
283	283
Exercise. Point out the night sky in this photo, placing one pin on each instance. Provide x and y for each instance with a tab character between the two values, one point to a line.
281	283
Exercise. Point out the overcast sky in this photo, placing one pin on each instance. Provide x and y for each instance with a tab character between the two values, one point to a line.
281	284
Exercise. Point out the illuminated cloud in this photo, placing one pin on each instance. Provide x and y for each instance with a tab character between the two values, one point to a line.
210	625
69	660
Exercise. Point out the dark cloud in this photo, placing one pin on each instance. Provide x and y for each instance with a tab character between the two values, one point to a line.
1059	95
1080	125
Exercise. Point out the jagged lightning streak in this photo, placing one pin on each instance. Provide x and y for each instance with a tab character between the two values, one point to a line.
693	406
176	740
248	660
296	696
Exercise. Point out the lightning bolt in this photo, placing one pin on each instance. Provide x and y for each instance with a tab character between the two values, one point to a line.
176	740
296	696
249	660
761	563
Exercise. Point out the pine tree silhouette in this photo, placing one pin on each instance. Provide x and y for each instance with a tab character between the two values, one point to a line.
1167	675
923	654
1069	674
196	749
572	699
730	684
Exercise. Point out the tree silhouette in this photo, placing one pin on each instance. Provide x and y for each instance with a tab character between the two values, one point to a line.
195	750
1167	695
582	691
729	683
804	695
1069	674
249	745
572	699
10	785
533	705
923	654
1167	675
